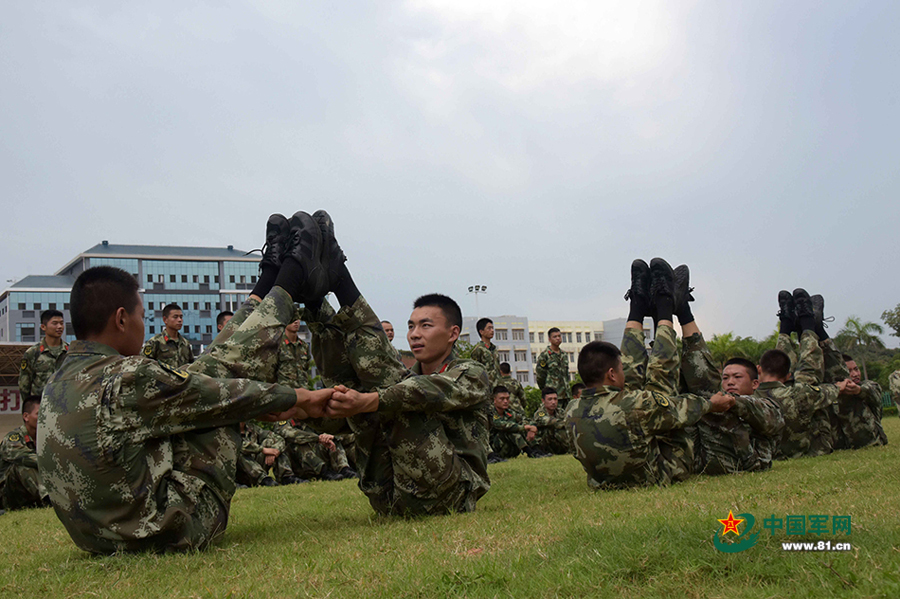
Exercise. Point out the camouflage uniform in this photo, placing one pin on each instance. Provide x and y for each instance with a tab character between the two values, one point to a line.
486	355
894	386
806	403
309	457
508	434
139	456
251	466
742	439
425	450
552	370
293	364
551	435
638	435
173	352
40	362
20	483
516	394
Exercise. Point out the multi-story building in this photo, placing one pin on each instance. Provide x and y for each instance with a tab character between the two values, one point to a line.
202	280
511	339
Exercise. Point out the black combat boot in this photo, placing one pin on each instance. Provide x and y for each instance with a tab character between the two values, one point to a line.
786	316
639	292
662	289
682	281
803	310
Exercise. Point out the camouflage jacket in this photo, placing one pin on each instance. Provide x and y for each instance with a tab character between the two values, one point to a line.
173	352
506	422
254	438
617	433
806	403
543	419
297	432
457	396
39	363
111	452
742	439
516	393
293	364
487	357
552	370
859	418
894	386
17	448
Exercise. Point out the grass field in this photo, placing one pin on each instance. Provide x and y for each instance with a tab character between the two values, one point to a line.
539	532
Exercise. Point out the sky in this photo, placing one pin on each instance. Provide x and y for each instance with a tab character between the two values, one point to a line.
534	148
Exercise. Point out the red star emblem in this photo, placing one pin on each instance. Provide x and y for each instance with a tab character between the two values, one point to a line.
731	524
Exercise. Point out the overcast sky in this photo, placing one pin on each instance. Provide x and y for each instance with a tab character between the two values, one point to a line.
534	147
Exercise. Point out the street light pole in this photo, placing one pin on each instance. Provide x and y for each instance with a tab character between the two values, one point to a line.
476	289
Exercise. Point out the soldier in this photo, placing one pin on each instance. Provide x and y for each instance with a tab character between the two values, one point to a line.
485	352
577	390
551	424
222	319
552	368
42	360
293	358
806	402
628	428
743	438
859	411
169	347
516	392
261	450
509	435
20	482
313	454
421	434
894	382
139	456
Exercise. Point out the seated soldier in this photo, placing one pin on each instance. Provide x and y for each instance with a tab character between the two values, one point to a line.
806	401
313	454
261	450
743	438
516	392
577	390
629	427
509	435
20	482
421	435
137	455
551	424
858	410
894	386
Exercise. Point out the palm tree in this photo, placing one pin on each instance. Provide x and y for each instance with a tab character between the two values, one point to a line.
859	338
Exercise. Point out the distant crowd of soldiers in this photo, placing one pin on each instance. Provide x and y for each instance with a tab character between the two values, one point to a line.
178	434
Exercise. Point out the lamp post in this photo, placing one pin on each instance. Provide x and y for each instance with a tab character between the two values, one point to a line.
476	289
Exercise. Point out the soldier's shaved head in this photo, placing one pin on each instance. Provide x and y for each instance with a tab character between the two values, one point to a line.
96	295
595	360
449	307
775	363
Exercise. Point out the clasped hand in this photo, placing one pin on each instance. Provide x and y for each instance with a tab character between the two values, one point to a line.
333	402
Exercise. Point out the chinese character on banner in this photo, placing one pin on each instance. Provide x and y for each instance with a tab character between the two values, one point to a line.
818	525
795	525
10	401
840	524
772	523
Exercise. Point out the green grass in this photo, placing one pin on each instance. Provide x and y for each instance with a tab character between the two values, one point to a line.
539	532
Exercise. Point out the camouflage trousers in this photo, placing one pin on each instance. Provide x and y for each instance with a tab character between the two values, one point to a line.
308	460
658	371
508	444
554	440
22	488
350	348
251	469
246	348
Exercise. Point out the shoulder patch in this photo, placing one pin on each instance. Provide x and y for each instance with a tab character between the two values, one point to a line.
816	388
281	422
542	361
14	437
24	364
176	371
661	400
148	350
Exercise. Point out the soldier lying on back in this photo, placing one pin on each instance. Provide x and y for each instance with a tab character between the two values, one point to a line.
629	427
140	456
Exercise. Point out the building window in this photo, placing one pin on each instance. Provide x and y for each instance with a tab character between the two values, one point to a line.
231	278
172	278
184	278
598	336
195	278
21	306
216	279
160	279
534	358
196	305
503	356
587	336
501	334
208	306
152	329
540	337
206	279
530	337
65	306
522	377
150	305
567	337
518	334
149	278
571	357
37	305
243	278
51	306
578	337
253	279
520	356
209	328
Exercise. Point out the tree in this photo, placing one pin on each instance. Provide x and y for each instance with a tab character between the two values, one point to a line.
892	319
859	339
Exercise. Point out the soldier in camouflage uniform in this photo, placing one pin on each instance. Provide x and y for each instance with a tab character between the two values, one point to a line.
293	358
485	352
806	401
894	386
510	436
169	347
516	391
551	424
42	360
552	369
314	454
858	409
421	434
20	482
139	456
629	427
261	450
